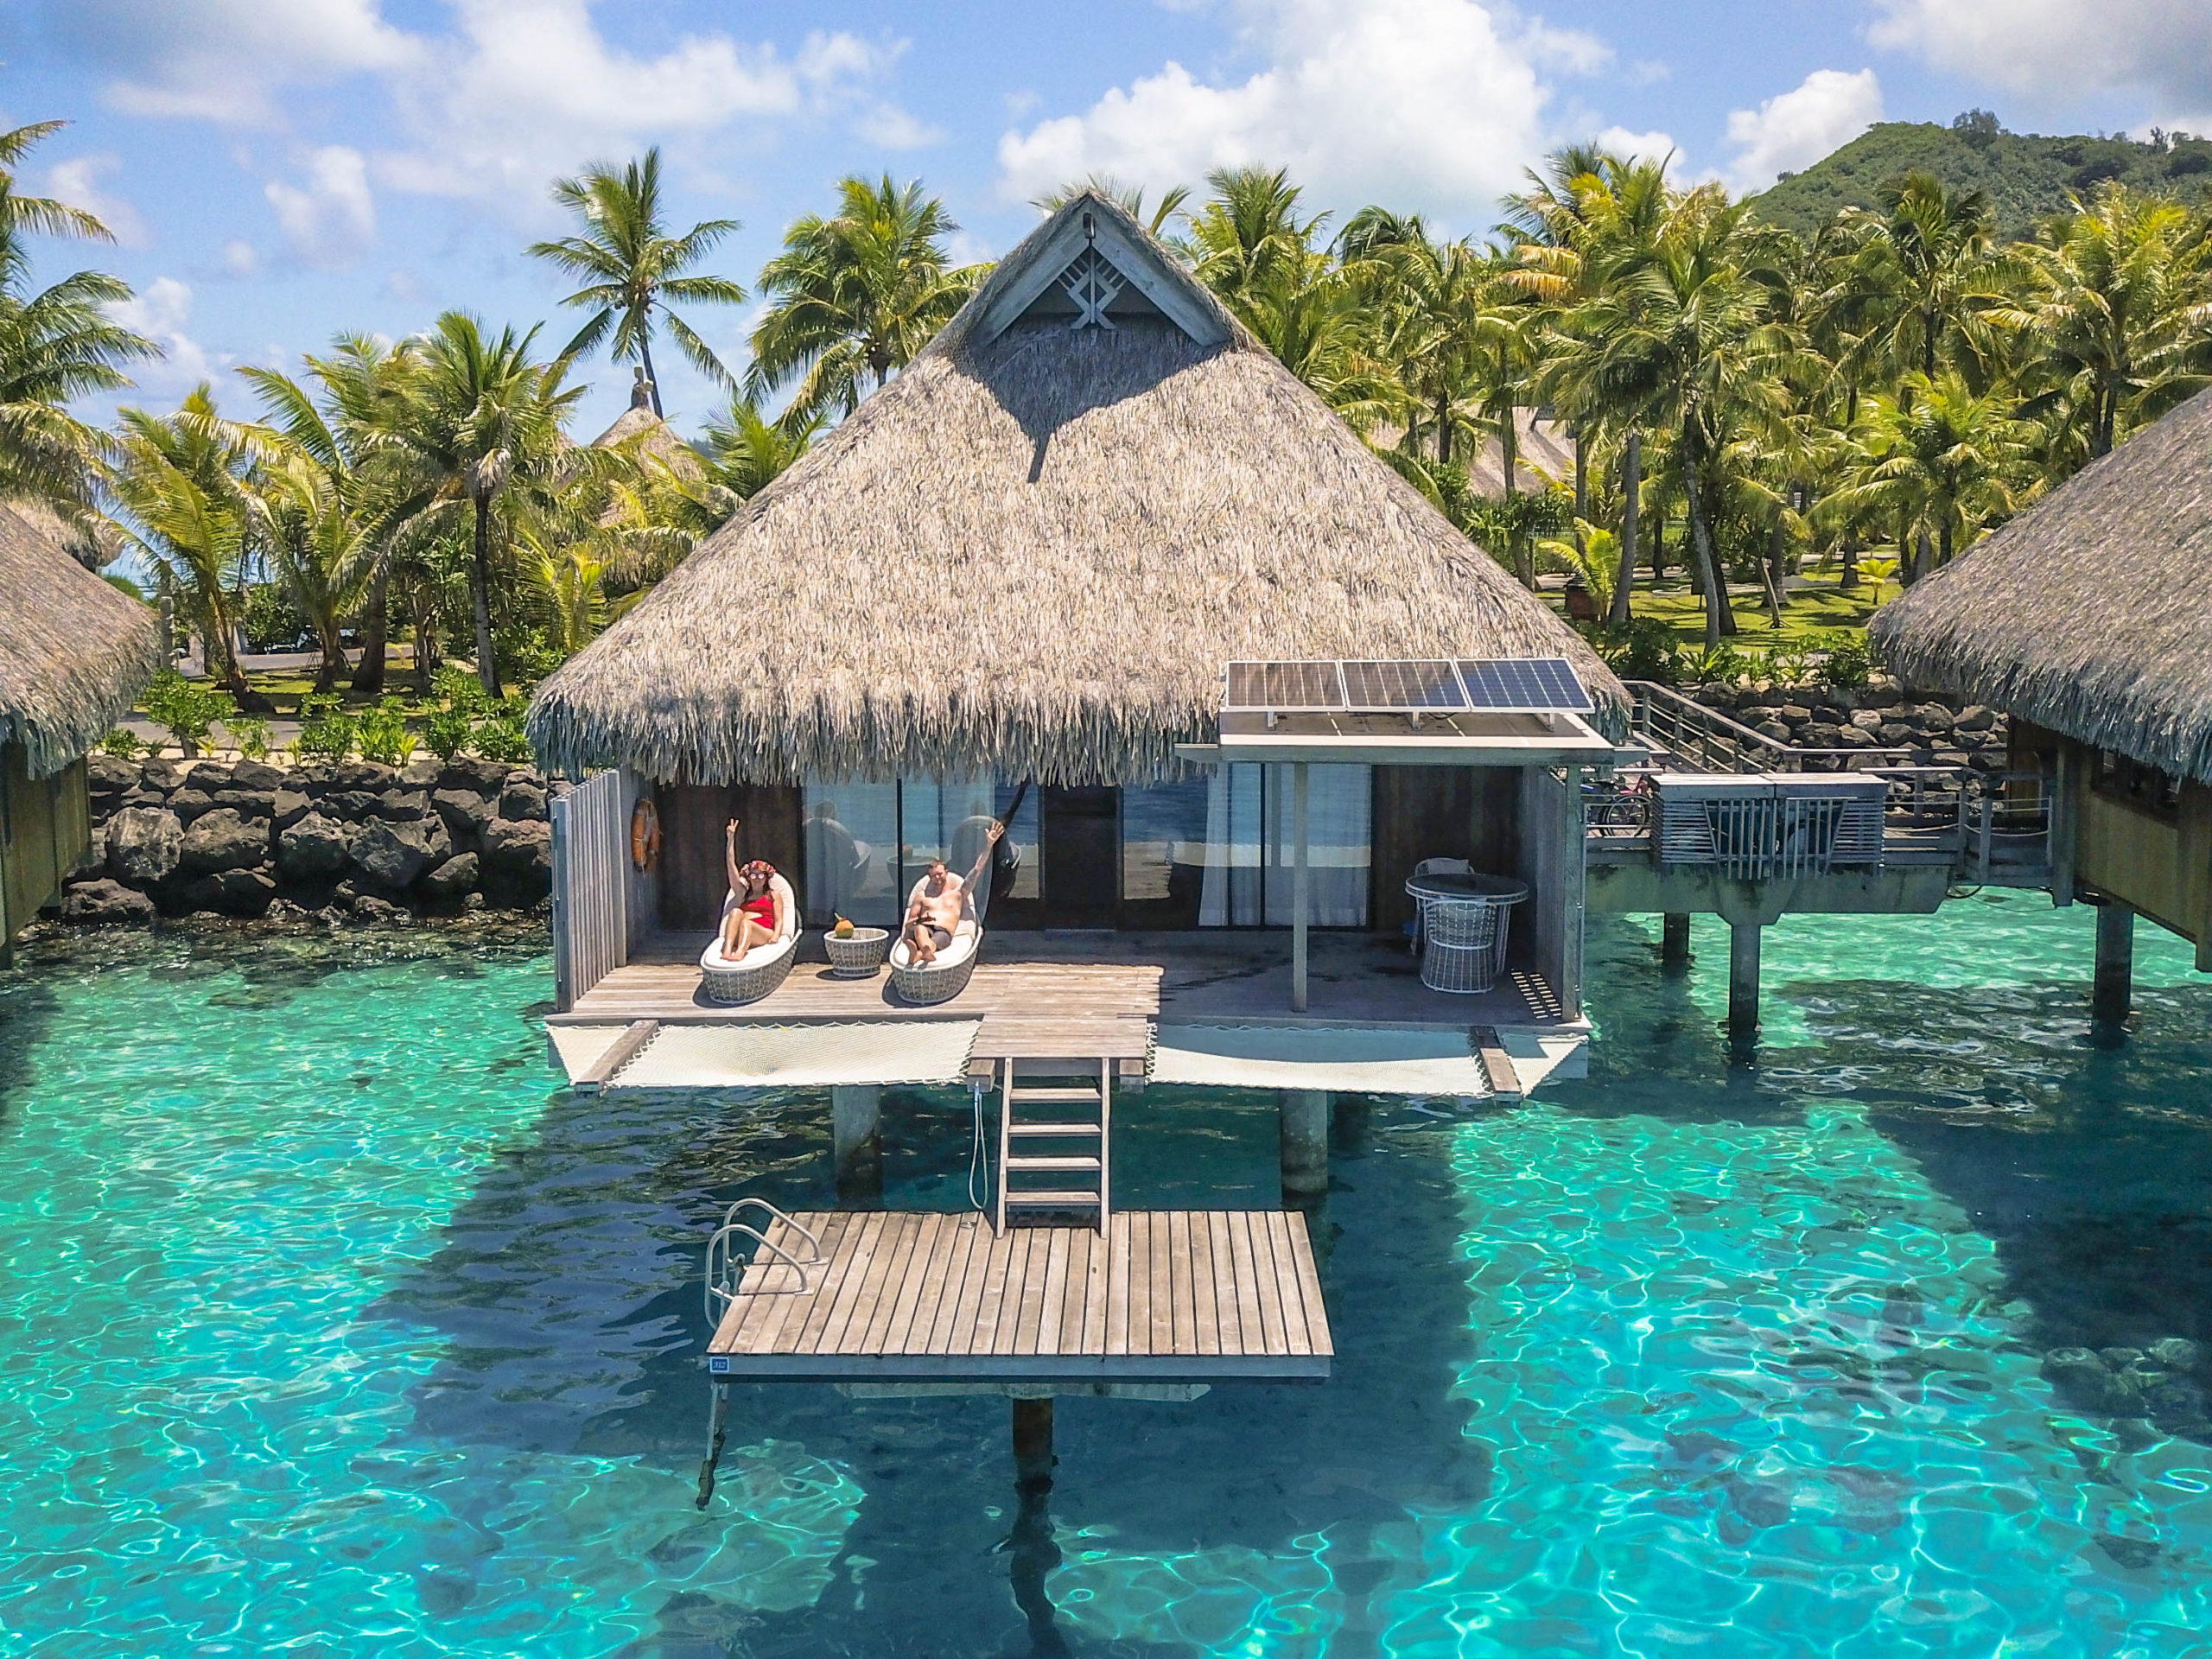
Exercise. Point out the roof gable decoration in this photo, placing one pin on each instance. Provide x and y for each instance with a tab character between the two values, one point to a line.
1090	258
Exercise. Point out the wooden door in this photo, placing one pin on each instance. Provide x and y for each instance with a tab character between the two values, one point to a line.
1081	836
691	879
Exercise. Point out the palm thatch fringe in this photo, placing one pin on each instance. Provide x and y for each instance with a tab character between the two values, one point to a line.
74	651
1031	554
2087	615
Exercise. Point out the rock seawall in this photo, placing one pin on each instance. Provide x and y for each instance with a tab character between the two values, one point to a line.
354	839
1935	731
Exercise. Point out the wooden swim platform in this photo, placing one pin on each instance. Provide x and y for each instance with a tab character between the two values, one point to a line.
901	1296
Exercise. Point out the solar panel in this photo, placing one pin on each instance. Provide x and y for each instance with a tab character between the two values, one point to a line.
1407	685
1283	686
1525	685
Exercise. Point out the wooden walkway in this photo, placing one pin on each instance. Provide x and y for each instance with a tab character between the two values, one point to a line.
1166	1296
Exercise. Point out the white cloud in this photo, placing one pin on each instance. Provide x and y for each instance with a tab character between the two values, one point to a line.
223	60
531	89
77	181
1793	129
332	219
241	259
160	311
2060	48
1653	146
510	94
893	128
1434	104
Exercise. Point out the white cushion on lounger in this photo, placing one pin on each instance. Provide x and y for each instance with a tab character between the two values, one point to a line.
965	938
712	956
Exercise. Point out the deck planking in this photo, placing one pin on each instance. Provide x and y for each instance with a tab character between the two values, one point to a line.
901	1296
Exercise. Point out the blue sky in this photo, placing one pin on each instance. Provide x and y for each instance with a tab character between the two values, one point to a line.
281	170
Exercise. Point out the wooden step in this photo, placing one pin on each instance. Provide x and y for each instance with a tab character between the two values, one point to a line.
1079	1162
1022	1097
1051	1128
1053	1200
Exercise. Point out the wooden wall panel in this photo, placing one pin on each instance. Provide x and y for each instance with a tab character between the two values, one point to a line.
1440	812
691	880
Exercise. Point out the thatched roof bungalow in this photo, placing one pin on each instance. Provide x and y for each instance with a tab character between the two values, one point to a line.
1027	558
2085	619
74	651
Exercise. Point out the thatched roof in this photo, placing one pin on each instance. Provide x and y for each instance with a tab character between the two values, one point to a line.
73	650
654	438
1032	552
1544	454
2088	612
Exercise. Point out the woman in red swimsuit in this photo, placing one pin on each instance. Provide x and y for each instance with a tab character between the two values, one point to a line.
752	913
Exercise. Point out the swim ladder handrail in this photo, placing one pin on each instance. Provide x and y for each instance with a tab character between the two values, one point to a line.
729	1218
721	1286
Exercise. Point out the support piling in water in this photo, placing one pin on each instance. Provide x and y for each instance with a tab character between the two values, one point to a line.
2111	992
1743	979
1033	1444
856	1141
1304	1144
1674	940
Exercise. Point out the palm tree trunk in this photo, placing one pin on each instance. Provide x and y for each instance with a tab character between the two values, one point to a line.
1443	428
1849	583
652	381
333	654
376	634
1631	493
479	599
1717	619
1768	567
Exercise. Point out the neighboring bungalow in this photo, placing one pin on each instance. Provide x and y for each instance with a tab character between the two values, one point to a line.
2087	621
1008	586
74	651
657	439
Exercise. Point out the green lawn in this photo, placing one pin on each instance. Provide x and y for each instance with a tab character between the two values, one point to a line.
1806	614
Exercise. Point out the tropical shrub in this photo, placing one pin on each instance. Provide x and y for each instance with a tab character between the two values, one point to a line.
1645	650
1721	664
327	731
1789	665
382	734
119	742
249	735
185	709
1850	660
500	738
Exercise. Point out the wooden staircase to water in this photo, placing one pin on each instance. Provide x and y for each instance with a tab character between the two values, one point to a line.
1067	1145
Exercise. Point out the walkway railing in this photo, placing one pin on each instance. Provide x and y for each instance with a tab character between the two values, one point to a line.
1699	738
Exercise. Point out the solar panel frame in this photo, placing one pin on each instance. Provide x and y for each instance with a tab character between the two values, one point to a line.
1530	685
1313	685
1411	685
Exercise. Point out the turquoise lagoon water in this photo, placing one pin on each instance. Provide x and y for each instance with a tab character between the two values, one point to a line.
328	1326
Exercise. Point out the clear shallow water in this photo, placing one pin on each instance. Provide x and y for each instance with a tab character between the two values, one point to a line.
327	1325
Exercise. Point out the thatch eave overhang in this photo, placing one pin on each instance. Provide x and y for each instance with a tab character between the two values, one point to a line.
2088	613
74	651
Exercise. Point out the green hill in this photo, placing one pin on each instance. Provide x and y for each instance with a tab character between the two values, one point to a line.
2027	176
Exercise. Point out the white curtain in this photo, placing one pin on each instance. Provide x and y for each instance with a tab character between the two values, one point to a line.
850	843
1250	858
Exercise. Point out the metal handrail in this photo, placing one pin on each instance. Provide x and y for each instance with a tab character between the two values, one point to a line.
729	1218
1689	730
721	1285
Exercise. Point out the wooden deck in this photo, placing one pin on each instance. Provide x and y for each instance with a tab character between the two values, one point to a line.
1042	996
1166	1296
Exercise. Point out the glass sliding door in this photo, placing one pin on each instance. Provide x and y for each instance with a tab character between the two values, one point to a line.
1251	857
848	848
946	820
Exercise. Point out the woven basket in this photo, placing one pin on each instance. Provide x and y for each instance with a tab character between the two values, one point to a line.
924	986
746	982
860	954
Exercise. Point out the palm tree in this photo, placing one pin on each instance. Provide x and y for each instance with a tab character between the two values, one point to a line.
474	417
855	296
176	480
2118	298
1677	334
631	268
745	451
56	344
1249	241
1942	461
1922	278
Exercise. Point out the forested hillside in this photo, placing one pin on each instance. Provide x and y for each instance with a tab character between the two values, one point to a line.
2026	175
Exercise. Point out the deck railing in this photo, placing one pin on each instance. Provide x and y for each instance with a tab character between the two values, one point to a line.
1699	738
590	886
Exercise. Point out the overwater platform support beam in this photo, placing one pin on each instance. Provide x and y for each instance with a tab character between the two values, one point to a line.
2112	994
1744	979
1304	1144
1674	940
856	1139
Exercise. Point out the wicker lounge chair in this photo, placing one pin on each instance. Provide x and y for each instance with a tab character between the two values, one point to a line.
764	966
942	979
